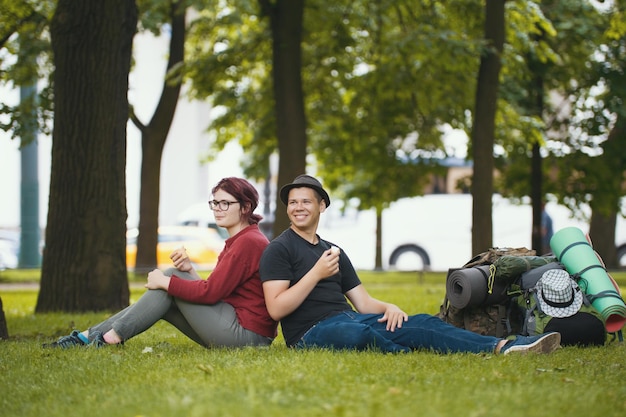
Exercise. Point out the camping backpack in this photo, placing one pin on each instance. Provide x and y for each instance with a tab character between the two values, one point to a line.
494	315
566	308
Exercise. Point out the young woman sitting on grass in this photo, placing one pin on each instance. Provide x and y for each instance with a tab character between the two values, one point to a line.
227	309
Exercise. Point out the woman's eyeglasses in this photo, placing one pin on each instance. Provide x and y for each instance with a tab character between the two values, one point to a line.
223	205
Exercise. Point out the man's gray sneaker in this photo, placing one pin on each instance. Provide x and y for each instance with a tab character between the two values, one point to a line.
543	343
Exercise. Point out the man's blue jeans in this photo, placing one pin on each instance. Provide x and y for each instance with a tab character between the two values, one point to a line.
351	330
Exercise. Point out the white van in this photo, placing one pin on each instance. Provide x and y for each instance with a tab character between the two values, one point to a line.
433	232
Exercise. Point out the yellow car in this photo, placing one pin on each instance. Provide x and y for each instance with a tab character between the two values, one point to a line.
203	245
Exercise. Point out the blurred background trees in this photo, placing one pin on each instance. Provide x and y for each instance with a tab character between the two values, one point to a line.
361	94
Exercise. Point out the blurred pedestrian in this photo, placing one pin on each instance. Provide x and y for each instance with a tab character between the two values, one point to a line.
546	230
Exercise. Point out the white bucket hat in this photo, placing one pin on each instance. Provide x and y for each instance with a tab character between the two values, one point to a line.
558	294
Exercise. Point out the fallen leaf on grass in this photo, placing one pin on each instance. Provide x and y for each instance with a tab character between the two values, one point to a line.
206	368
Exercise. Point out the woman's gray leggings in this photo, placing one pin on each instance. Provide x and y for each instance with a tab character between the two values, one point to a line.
208	325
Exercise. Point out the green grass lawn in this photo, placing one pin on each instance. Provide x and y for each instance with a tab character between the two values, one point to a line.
161	373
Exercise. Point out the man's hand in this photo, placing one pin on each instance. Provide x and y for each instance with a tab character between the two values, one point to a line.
327	265
394	317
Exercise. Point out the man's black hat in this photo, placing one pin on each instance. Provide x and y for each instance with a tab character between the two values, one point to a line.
304	181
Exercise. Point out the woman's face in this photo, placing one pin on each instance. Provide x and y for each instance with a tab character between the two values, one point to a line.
232	215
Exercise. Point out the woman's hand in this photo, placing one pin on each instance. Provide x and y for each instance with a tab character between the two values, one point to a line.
181	260
157	280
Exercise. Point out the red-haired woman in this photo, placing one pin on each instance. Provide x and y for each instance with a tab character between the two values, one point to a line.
227	309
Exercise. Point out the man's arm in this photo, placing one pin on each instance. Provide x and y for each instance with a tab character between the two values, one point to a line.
281	300
365	303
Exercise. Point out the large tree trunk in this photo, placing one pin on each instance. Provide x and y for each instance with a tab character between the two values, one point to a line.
286	18
603	227
84	265
483	131
153	137
610	179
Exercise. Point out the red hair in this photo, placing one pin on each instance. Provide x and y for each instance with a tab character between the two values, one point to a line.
245	193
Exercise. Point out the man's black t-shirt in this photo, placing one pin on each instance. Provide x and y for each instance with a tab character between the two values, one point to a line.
289	257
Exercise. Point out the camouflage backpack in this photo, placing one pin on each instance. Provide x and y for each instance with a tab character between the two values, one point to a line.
500	320
490	256
491	320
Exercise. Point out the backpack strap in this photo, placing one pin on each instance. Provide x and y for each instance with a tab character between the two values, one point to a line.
571	245
502	322
507	320
602	294
528	311
445	306
491	279
466	322
579	275
618	335
592	297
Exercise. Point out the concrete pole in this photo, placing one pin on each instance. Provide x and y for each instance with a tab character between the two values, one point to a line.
30	235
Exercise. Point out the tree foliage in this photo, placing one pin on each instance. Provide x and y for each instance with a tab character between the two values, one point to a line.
379	82
229	64
373	74
379	99
563	38
25	59
573	54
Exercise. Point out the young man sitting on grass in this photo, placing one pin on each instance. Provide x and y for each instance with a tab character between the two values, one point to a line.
306	281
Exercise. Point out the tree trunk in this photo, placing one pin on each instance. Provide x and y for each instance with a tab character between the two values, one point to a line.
4	330
536	175
378	263
483	130
537	200
536	91
84	266
286	18
153	139
605	206
603	227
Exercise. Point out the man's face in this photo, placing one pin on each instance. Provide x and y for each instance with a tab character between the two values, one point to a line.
303	208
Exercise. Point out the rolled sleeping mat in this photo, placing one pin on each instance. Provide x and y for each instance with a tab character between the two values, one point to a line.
468	287
498	294
574	251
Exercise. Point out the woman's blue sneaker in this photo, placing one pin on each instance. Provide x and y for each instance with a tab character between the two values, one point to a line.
543	343
66	342
97	340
